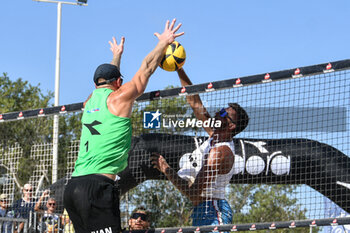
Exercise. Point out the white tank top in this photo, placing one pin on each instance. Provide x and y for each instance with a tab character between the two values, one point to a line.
191	163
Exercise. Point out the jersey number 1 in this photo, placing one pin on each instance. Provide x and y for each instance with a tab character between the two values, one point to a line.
92	130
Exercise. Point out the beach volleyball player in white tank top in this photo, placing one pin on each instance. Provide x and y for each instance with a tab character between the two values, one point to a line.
205	172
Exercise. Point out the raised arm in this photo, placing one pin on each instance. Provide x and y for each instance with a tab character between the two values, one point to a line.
117	51
38	204
120	102
137	85
182	185
205	177
195	101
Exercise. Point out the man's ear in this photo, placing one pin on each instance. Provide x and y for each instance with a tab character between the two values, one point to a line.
117	83
120	82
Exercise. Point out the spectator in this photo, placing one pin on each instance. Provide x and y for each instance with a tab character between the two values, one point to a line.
49	220
5	212
24	206
139	219
68	225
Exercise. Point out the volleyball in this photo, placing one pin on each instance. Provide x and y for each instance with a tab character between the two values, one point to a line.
174	57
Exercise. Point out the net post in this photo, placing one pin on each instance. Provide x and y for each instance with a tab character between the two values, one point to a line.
55	149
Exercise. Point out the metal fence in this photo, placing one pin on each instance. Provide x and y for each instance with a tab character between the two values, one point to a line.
37	223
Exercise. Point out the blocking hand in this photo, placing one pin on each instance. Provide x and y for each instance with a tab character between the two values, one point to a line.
169	33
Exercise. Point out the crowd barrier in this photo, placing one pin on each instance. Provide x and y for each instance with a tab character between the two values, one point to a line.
37	223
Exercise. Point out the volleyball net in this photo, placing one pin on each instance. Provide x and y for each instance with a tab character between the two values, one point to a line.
290	166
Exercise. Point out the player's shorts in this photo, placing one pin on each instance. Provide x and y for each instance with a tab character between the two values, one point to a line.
214	212
92	203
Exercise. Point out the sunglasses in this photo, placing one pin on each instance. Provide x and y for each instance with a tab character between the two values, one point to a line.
223	113
121	80
28	190
139	215
51	204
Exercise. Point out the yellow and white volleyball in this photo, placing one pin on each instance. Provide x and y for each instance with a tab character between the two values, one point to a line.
174	57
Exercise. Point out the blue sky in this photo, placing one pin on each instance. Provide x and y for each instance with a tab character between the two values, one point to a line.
223	39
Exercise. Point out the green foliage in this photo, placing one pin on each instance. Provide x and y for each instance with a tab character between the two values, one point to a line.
265	203
19	95
25	168
69	130
165	106
250	204
168	207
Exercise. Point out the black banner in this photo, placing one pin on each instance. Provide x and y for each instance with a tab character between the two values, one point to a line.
257	161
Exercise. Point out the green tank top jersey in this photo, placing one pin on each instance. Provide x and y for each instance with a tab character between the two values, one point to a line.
105	138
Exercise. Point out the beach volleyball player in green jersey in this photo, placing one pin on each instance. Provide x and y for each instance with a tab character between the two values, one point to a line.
91	196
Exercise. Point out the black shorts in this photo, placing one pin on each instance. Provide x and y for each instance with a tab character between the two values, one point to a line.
92	203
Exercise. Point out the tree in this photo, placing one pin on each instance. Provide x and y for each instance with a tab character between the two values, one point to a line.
250	204
265	203
16	96
168	207
19	95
